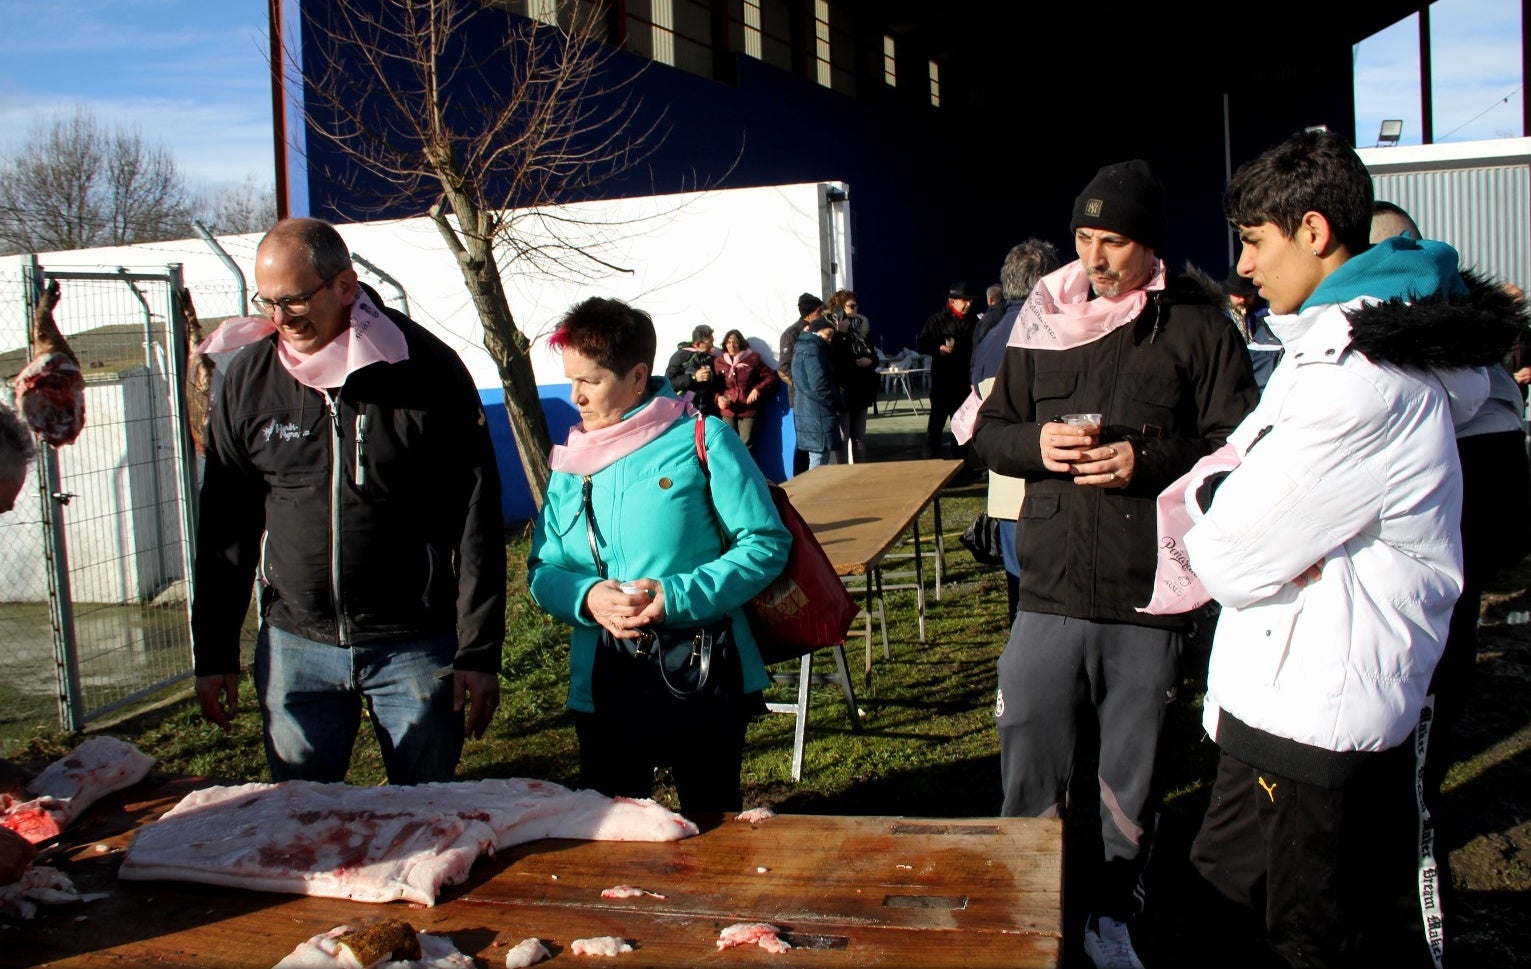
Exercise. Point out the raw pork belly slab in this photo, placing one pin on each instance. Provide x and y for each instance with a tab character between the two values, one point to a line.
374	844
74	782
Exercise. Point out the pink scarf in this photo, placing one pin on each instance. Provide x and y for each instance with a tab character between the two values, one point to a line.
1060	315
370	338
590	451
1176	587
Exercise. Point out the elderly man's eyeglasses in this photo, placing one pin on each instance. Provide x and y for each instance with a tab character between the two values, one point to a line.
292	305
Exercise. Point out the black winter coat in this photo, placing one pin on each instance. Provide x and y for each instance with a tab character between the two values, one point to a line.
1174	382
375	518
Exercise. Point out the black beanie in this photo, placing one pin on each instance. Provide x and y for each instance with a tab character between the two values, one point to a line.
807	303
1126	198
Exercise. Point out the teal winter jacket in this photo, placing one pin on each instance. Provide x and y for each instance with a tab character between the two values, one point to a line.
712	541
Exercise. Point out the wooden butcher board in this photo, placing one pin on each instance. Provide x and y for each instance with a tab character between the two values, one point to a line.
846	891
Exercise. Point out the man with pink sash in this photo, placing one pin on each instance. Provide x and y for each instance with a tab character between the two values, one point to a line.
349	477
1116	335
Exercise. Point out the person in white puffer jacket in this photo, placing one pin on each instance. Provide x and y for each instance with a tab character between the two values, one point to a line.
1334	548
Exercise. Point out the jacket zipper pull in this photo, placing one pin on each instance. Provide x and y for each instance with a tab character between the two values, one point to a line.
361	449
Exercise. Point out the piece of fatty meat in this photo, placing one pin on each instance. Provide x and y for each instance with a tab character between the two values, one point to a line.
199	374
603	945
767	936
527	952
384	940
50	390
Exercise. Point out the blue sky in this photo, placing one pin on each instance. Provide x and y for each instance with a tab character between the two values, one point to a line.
193	75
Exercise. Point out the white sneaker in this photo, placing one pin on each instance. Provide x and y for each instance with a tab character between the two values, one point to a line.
1108	944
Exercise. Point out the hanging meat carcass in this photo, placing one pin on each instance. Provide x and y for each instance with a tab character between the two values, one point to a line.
199	373
50	390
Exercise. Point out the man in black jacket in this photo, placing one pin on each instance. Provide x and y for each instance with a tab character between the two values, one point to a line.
1112	334
691	370
947	339
349	461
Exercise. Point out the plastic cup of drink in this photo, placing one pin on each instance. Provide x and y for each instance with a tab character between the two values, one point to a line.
1088	423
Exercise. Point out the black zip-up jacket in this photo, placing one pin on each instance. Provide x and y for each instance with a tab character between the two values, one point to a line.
373	515
1174	382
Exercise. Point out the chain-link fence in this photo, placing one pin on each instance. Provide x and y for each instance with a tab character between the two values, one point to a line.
95	558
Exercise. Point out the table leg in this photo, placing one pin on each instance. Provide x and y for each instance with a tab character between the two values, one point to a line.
919	578
940	546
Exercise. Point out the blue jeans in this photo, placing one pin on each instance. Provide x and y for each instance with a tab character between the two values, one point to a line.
311	699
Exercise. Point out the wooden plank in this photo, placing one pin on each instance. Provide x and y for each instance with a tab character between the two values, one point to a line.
861	891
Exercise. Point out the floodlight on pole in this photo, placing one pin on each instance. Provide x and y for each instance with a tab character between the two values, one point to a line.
1392	130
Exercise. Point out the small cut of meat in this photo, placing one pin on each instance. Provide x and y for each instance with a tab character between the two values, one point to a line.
43	885
755	815
389	940
527	952
50	390
768	937
604	945
628	891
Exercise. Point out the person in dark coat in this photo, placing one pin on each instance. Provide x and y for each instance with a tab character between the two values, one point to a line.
1113	333
809	309
817	414
693	370
947	339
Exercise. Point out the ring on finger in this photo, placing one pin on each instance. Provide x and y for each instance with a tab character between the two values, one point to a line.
1113	476
1112	449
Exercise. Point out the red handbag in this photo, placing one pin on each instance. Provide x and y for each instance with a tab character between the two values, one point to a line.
805	607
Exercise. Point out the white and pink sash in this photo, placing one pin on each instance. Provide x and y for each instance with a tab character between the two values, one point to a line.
370	338
1176	587
1059	314
589	451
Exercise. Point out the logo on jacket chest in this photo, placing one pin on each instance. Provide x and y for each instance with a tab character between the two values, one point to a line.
284	432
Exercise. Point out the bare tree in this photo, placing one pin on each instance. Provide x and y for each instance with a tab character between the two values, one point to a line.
249	206
75	184
484	120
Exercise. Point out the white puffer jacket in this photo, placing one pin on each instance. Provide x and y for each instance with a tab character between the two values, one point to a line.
1353	464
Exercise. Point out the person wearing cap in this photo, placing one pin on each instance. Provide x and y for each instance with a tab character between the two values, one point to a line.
947	339
1248	311
1113	333
809	309
816	417
692	370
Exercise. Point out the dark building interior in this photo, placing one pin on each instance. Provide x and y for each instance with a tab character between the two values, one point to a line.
1033	99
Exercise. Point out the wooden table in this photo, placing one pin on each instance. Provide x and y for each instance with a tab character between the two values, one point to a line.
858	512
857	891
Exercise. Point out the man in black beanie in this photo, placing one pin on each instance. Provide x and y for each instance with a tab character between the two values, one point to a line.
1153	360
809	309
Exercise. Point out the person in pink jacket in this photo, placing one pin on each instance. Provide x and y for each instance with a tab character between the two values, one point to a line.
748	382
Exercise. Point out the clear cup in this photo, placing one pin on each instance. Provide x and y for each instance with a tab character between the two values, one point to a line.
1088	423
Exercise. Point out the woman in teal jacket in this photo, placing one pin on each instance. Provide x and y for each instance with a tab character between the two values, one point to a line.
691	546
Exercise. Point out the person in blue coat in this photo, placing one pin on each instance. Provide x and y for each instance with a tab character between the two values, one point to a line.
816	412
635	532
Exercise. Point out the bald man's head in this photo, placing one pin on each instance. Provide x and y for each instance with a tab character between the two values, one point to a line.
1388	220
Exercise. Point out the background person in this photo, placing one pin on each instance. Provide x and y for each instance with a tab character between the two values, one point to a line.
18	447
1248	311
809	309
1110	333
855	373
692	370
816	417
1025	264
747	383
696	545
349	461
947	338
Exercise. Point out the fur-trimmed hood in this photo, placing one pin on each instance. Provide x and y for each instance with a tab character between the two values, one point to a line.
1474	329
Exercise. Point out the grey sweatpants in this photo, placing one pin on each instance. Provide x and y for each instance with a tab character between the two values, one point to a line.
1129	674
